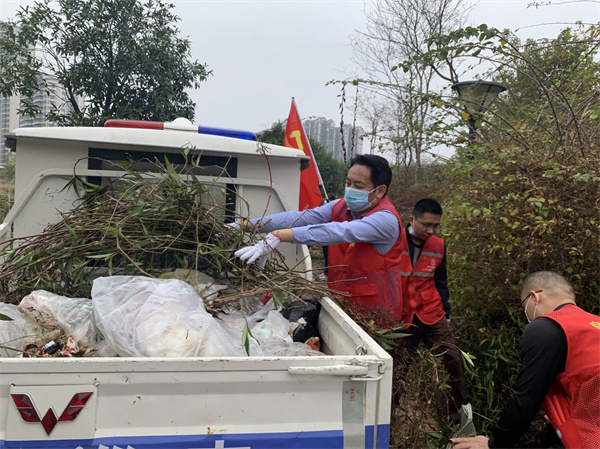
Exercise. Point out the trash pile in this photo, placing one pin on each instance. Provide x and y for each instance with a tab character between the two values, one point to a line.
137	316
145	267
145	227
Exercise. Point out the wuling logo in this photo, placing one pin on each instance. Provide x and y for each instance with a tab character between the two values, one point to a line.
29	413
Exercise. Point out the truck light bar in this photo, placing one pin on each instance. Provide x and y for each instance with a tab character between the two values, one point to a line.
180	124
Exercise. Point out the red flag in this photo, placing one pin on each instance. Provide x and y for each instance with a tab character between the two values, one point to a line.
310	178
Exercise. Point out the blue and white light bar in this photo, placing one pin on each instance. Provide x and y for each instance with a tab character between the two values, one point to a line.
180	124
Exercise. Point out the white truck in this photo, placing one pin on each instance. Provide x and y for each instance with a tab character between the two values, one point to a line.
339	400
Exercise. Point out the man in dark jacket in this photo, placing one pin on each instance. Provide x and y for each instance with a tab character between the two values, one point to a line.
560	369
426	307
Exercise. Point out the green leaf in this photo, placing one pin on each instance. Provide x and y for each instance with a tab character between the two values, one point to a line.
25	260
246	339
70	229
397	335
100	256
467	357
5	318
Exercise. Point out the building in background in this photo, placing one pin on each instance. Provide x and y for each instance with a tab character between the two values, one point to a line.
55	98
327	133
45	101
9	119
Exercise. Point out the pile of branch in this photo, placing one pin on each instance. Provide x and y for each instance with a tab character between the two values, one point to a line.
140	226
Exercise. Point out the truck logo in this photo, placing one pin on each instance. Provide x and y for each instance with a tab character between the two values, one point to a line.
28	412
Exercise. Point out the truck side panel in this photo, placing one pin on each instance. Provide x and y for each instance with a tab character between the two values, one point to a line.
333	401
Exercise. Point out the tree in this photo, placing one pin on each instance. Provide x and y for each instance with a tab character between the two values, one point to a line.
399	30
332	171
523	196
124	58
7	173
274	135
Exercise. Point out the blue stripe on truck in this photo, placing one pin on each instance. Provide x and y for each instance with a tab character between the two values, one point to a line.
330	439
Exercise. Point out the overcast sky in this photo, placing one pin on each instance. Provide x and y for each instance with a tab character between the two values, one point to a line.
263	53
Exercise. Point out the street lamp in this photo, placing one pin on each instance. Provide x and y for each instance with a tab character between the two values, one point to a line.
477	96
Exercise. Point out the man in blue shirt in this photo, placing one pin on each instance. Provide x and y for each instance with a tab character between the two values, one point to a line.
362	228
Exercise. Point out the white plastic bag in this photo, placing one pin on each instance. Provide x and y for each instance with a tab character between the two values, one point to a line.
269	327
205	286
17	333
73	315
274	328
146	317
252	312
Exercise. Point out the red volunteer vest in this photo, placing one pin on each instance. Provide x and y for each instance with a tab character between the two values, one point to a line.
573	401
421	297
371	279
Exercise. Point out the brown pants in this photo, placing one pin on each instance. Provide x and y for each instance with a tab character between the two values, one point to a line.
439	333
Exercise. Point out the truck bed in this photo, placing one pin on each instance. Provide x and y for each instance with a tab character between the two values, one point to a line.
340	400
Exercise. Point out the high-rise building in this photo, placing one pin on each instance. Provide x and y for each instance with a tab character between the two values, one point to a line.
329	135
9	119
46	101
319	129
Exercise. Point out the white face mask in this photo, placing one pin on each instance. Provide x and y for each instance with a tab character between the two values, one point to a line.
534	310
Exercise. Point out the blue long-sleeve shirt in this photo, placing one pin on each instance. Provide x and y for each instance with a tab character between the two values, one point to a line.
314	227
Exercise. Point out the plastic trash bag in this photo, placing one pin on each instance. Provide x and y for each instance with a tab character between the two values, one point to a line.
275	328
274	336
205	286
269	327
305	314
18	333
146	317
73	315
467	428
252	312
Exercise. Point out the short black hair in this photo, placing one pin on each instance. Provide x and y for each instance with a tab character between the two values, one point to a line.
427	205
381	173
553	284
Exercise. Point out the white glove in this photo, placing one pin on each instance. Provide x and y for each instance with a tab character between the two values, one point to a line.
233	226
228	228
260	251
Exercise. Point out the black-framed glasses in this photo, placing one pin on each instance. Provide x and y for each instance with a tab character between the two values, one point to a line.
529	296
433	226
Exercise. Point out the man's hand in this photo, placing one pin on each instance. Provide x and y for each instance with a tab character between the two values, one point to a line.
234	226
260	251
478	442
227	229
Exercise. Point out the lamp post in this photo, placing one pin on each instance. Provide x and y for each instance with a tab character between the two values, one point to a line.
477	96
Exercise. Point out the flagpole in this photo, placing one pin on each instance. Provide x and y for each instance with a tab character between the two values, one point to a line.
311	152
